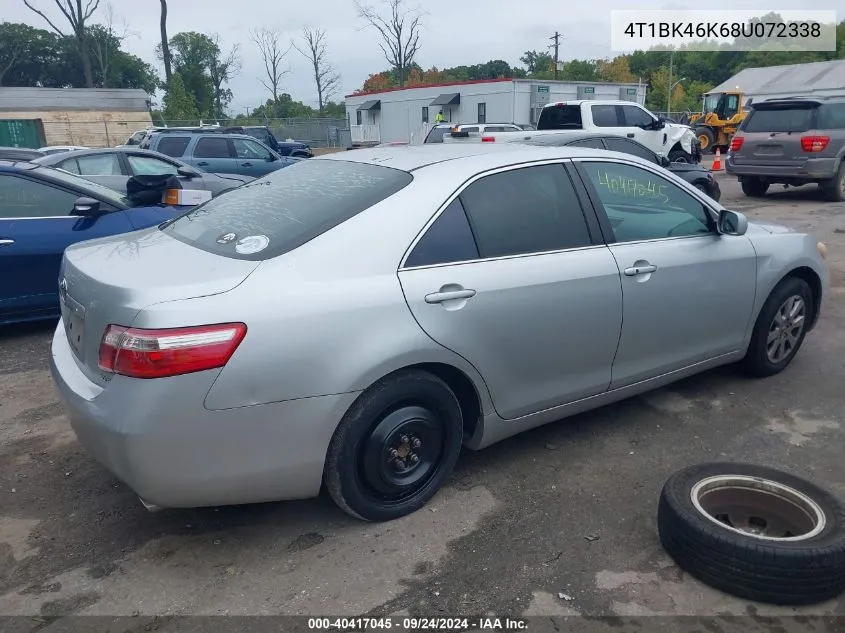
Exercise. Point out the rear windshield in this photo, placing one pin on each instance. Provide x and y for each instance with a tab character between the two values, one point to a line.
562	117
285	209
783	119
436	134
832	116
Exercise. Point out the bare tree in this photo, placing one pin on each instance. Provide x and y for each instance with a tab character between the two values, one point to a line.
315	50
399	32
165	44
221	68
103	39
273	53
77	16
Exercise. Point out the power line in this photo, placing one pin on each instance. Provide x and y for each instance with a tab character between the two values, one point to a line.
556	39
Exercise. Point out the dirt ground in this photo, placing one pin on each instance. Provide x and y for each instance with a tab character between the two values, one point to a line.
557	521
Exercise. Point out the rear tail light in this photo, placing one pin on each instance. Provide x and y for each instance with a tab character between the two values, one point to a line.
814	143
736	143
141	353
488	139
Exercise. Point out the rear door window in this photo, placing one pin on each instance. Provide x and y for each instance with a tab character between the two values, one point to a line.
783	119
173	145
560	117
285	209
832	116
99	165
436	134
447	241
525	210
213	147
606	116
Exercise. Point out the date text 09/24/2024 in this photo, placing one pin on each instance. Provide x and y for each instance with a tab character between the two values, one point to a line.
408	623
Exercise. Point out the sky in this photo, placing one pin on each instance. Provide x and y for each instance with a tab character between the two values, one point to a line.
454	33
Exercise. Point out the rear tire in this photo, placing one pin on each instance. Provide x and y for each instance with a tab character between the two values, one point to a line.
780	328
395	446
754	187
835	191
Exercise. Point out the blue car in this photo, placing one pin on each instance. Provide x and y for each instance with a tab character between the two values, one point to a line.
42	212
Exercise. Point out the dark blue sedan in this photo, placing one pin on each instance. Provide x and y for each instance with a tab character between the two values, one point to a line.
42	212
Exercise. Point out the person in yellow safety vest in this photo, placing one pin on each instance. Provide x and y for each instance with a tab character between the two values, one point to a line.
439	118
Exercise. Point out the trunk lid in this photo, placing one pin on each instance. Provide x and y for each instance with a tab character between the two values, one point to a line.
107	281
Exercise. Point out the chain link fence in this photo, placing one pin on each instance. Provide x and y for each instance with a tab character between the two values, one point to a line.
317	132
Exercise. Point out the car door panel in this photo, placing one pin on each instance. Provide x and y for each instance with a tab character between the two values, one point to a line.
688	291
542	330
538	309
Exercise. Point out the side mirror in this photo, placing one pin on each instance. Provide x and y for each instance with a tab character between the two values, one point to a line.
732	223
86	206
187	172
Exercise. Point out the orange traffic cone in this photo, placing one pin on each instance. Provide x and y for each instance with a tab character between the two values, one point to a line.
717	163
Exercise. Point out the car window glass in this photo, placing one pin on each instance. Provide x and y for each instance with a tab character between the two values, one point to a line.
212	147
99	165
495	128
832	116
560	117
526	210
594	143
149	166
790	119
24	198
471	128
173	145
644	206
630	147
69	165
605	116
449	239
636	117
245	148
287	208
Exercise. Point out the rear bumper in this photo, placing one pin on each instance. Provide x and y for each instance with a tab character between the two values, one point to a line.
156	436
811	169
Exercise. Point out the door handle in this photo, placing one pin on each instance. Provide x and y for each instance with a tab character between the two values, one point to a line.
203	163
451	295
246	164
631	135
643	269
6	242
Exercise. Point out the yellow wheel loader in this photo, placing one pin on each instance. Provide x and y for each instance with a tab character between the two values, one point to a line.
718	120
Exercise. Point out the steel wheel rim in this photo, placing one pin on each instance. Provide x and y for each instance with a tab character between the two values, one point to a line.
402	453
785	329
759	508
704	141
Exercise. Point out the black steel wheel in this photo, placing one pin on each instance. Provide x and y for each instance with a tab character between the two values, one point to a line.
395	446
755	532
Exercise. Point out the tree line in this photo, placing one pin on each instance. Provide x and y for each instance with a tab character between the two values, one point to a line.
694	72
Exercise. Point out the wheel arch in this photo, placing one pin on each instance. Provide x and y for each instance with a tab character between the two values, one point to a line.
814	281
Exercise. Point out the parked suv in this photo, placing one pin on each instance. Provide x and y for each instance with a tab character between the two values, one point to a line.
266	136
215	152
793	141
463	130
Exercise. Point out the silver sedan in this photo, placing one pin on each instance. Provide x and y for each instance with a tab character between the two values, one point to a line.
357	318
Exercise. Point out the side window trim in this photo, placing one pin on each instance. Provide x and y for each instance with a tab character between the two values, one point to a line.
604	221
595	236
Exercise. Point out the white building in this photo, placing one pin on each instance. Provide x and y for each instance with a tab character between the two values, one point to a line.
405	114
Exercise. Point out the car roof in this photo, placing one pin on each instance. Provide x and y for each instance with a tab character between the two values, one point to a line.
9	165
595	101
52	159
472	156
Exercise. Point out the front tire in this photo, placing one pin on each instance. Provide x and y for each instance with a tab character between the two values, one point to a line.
706	139
680	156
395	446
780	328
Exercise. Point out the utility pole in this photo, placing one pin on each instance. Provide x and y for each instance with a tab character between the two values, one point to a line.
669	91
556	39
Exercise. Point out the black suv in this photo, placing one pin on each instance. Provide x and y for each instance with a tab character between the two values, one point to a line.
791	141
266	136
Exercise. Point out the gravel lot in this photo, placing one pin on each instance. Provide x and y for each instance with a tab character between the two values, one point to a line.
568	509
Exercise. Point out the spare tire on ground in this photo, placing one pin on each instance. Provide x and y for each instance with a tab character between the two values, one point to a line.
755	532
